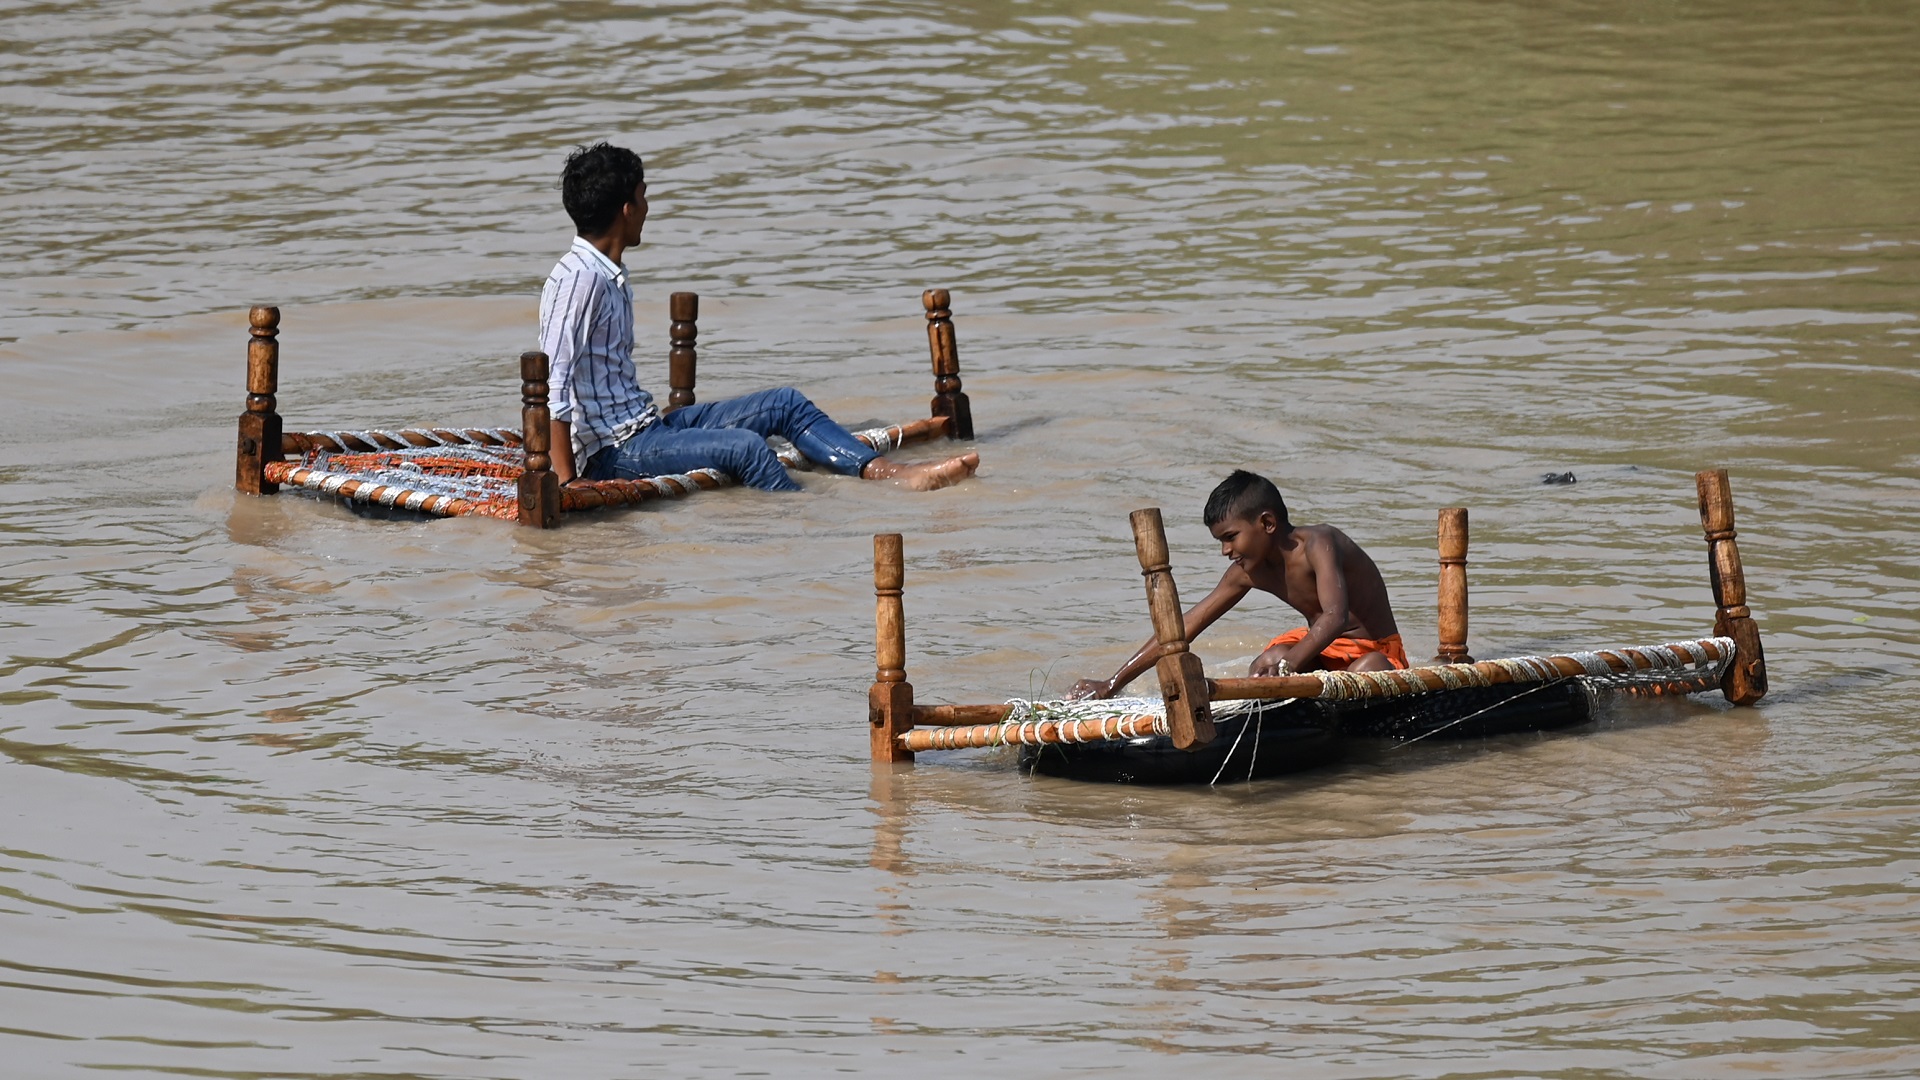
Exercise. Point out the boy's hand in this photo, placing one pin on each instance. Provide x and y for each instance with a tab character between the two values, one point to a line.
1090	690
1274	661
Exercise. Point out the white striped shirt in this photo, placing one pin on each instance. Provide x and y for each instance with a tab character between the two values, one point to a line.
586	330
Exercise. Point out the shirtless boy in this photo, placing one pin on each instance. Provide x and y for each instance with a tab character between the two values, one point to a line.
1317	569
606	427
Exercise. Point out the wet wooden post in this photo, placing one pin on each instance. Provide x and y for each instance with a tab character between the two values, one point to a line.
684	308
948	399
1745	680
260	424
539	487
890	699
1183	680
1453	587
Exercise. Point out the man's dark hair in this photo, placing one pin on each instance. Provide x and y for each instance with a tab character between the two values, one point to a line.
597	181
1243	495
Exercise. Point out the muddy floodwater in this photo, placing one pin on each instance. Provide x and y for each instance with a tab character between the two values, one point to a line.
286	791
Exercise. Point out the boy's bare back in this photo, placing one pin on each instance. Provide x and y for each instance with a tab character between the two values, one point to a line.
1298	570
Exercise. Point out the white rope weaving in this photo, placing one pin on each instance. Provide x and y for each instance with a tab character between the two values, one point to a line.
1050	723
1601	663
406	438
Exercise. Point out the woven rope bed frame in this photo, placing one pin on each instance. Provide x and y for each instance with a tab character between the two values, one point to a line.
507	473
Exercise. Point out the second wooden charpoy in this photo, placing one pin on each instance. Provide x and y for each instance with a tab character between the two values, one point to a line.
506	472
1202	729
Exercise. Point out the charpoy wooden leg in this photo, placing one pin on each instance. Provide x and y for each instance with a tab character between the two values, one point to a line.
1453	587
539	487
1183	680
1745	681
260	424
684	307
948	399
890	699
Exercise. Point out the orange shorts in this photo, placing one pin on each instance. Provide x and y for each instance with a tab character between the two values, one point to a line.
1342	651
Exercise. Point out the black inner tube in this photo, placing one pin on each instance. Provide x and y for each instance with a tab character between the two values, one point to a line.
1291	736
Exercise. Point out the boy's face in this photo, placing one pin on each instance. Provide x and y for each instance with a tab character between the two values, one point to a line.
636	214
1246	541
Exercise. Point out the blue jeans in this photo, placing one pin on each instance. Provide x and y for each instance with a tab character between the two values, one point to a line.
731	436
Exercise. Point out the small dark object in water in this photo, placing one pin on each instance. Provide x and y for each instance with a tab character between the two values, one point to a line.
1557	478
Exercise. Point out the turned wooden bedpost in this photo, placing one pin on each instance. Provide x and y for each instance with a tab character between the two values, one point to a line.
1745	680
1183	680
260	424
539	487
890	700
684	308
1453	587
948	400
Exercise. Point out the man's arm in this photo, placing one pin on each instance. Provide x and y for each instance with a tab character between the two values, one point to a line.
1233	585
562	451
565	319
1330	585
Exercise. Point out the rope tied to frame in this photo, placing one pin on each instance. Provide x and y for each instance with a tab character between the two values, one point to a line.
1043	723
347	442
1601	663
1676	667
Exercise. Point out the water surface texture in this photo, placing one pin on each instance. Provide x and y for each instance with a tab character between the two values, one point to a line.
288	792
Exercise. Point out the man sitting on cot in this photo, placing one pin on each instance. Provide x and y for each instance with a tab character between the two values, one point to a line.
1316	568
606	427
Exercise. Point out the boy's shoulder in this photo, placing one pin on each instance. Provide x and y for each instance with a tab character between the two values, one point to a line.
1319	532
582	260
580	280
1324	535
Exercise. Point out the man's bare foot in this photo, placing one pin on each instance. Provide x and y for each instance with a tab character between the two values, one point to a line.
923	477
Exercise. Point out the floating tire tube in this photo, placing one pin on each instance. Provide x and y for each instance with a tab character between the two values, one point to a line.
1293	736
1473	712
1272	740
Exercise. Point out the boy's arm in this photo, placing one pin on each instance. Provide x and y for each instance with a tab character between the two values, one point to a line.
562	450
1232	587
563	327
1330	583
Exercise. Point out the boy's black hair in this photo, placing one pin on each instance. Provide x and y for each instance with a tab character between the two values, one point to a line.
597	181
1243	495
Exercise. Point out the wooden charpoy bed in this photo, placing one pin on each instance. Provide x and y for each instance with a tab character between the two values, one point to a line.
505	472
1198	727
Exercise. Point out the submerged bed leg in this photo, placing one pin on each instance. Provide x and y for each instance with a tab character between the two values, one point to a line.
1183	680
948	399
1453	587
684	309
1745	680
260	424
539	487
890	700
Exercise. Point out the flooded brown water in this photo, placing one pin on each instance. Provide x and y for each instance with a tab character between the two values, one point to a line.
289	792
